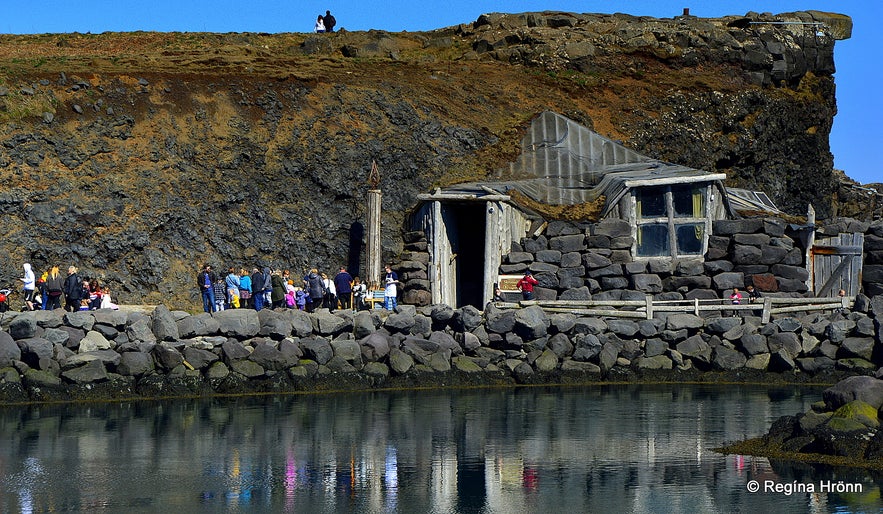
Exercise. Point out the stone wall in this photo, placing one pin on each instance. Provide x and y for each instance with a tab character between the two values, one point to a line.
581	261
52	355
413	269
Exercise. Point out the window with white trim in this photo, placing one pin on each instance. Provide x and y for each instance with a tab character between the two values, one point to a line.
671	220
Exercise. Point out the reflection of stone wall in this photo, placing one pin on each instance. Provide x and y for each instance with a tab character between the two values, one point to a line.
575	261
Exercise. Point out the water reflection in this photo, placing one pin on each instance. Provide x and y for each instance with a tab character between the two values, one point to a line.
613	448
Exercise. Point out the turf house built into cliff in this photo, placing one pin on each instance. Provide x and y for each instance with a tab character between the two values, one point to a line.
581	193
565	170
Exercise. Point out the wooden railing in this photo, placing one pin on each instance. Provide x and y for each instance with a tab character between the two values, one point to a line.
645	309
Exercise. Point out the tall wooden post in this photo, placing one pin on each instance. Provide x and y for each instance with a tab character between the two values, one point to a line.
808	243
373	264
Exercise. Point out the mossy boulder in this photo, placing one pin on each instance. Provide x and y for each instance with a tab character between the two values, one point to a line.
855	415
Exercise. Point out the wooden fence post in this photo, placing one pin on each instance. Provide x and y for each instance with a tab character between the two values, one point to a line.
767	307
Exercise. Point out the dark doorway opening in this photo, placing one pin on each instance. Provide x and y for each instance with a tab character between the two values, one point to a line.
465	224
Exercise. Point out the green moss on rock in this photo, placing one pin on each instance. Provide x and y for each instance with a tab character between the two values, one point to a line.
855	415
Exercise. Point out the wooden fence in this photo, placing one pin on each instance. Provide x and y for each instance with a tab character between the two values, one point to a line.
645	309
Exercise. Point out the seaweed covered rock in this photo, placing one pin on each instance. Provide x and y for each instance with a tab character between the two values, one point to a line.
843	426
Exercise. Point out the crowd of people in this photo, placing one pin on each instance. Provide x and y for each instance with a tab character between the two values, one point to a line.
325	23
266	288
47	291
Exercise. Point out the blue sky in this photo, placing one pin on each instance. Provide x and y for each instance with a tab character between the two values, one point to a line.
859	60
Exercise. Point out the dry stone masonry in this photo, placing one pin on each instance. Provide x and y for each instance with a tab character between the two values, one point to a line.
104	354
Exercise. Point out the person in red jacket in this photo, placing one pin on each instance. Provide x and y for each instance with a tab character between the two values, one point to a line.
526	285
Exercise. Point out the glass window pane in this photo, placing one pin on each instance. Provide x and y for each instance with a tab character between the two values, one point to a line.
689	238
689	200
653	240
651	202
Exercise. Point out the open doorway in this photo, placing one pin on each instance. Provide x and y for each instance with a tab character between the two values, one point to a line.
465	231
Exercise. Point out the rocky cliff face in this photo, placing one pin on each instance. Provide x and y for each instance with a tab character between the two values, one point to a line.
139	156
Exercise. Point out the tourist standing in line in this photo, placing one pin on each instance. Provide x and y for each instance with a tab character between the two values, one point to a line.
315	290
29	286
268	286
359	292
205	280
41	289
343	284
244	288
330	298
55	288
232	283
320	25
526	285
300	298
220	288
278	290
329	23
73	290
257	289
390	292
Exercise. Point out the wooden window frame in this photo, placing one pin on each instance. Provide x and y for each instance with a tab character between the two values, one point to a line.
671	221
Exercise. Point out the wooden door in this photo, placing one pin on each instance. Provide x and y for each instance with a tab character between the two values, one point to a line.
837	264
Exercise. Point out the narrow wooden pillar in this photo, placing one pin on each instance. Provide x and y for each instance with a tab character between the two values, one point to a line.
374	251
808	243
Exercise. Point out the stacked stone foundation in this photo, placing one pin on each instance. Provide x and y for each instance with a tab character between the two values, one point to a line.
51	355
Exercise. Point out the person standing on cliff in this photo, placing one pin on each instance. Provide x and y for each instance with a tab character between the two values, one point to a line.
330	22
526	285
205	281
320	25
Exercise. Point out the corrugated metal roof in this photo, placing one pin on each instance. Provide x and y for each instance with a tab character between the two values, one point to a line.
745	200
565	163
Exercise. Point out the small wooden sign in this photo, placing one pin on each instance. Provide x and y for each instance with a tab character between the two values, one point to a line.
509	283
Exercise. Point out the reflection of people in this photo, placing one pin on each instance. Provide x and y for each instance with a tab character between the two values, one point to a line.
526	285
390	294
320	25
752	294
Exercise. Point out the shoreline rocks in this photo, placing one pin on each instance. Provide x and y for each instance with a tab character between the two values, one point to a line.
844	427
104	355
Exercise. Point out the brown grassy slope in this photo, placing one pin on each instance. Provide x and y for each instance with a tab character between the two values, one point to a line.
198	118
615	96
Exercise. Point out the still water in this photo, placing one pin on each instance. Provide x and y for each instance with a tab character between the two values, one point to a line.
589	449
